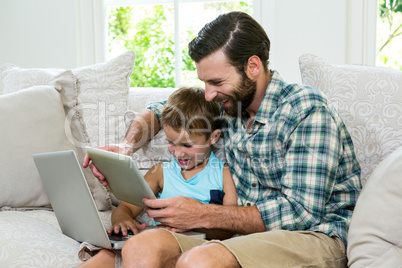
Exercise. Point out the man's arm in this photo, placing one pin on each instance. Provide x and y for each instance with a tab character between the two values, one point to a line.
141	130
185	213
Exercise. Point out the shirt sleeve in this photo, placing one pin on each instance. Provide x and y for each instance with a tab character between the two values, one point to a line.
308	170
157	108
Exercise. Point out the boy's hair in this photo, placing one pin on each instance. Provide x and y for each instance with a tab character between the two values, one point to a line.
187	109
237	34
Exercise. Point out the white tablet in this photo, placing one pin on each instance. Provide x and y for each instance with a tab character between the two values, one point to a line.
122	175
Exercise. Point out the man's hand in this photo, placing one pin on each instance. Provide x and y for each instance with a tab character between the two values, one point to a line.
180	213
121	148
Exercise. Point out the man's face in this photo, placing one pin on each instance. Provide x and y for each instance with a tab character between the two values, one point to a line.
225	85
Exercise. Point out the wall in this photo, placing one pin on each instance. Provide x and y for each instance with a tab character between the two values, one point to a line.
38	33
342	31
66	33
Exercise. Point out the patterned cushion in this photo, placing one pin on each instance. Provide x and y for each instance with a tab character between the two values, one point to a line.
102	94
34	121
368	100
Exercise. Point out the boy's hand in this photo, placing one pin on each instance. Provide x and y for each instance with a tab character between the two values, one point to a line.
125	226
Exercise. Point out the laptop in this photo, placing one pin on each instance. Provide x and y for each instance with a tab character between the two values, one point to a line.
71	198
72	201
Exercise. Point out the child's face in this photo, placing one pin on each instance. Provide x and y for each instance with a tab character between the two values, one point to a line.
190	150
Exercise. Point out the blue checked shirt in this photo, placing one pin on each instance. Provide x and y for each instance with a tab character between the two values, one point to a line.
296	163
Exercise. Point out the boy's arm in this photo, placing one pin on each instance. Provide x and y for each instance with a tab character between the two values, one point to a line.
123	219
154	178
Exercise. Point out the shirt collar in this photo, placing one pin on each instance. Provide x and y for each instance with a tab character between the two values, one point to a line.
271	98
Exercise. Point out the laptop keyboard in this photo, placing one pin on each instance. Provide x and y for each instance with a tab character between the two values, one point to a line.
119	236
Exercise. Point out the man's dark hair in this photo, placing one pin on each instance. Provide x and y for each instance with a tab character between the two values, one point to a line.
239	36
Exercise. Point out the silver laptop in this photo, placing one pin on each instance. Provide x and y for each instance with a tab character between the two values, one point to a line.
72	201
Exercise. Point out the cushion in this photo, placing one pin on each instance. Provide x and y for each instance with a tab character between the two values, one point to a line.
375	234
34	121
368	100
34	239
102	94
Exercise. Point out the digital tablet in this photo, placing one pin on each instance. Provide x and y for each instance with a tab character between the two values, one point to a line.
122	175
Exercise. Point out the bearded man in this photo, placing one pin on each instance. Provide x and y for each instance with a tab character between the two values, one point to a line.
290	155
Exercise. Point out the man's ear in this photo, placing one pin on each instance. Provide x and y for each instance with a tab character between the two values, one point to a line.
253	67
215	135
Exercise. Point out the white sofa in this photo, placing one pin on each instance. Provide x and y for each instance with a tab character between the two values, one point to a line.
50	110
54	109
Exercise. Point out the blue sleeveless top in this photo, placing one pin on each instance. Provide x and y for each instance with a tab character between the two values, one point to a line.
206	186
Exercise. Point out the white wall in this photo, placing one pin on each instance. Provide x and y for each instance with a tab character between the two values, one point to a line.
336	30
38	33
67	33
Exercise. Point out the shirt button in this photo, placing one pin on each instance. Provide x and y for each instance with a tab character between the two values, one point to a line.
254	184
248	204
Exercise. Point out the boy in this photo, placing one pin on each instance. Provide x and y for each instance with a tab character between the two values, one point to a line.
191	125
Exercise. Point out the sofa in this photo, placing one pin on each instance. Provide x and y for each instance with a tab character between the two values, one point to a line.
44	110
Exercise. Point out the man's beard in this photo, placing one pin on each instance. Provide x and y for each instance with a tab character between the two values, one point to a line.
243	96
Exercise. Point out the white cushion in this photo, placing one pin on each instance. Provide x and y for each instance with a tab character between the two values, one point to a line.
102	94
369	102
34	121
34	239
375	234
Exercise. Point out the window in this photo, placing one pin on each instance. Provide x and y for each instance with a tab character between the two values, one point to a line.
389	34
159	32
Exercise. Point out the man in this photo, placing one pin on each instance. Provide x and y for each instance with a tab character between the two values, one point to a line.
290	156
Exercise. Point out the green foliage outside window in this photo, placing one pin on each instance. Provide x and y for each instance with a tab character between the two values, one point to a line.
389	32
149	31
152	43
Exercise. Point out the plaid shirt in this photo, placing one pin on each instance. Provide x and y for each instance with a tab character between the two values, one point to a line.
296	163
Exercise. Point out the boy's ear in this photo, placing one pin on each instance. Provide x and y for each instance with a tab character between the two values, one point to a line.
215	135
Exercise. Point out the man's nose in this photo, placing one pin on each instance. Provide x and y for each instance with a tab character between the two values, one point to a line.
210	92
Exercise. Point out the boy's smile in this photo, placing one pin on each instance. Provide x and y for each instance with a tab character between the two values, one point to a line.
190	150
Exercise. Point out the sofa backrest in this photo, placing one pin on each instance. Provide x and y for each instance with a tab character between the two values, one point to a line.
369	100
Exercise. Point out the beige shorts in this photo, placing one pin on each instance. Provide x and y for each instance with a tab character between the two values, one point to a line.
279	248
